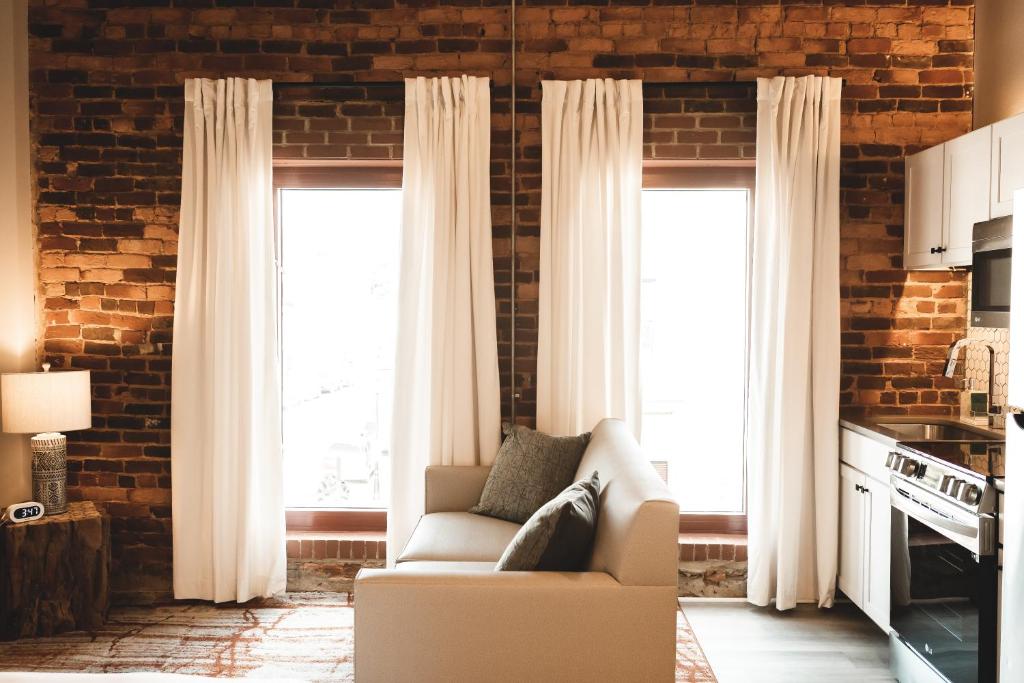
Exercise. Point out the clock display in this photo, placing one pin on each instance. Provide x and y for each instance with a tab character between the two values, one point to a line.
26	512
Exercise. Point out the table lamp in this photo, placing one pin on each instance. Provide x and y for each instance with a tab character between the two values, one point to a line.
46	403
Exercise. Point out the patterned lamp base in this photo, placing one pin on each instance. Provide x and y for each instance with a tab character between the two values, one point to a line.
49	471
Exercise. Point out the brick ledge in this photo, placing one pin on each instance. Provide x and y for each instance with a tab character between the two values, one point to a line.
371	545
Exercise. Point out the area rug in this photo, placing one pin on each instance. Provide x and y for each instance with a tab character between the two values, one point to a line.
303	636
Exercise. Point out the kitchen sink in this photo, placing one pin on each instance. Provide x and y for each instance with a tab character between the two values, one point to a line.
928	431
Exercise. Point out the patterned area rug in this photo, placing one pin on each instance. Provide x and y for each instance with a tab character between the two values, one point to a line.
303	636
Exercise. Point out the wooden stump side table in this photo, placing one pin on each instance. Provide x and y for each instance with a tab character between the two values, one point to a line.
54	573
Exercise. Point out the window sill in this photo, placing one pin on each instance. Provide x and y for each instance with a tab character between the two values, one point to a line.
336	520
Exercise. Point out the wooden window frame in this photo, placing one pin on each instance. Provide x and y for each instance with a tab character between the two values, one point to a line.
336	175
322	175
335	520
721	174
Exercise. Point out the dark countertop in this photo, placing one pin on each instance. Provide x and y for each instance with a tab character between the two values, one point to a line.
869	427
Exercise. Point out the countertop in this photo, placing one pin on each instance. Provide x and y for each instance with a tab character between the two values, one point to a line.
869	427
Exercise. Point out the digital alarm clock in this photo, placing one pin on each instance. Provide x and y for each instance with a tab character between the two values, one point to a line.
22	512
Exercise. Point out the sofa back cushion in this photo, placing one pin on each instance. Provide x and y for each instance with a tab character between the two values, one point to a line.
638	528
530	469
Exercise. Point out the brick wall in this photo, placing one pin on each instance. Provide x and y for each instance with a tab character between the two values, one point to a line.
106	101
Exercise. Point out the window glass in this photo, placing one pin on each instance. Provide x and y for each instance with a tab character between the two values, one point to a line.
340	262
693	343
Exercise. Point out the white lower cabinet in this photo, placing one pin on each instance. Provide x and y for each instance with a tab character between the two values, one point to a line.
877	548
851	533
865	525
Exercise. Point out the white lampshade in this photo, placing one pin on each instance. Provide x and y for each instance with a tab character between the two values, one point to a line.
37	402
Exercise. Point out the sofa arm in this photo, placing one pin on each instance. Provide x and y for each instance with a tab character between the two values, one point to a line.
453	488
474	625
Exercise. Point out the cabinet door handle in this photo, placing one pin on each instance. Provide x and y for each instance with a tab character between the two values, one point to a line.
940	250
934	250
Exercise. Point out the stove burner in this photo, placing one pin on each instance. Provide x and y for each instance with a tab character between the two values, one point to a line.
981	458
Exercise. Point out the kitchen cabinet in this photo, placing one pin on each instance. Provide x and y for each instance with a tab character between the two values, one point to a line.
878	550
1007	164
851	534
967	169
865	526
948	190
922	231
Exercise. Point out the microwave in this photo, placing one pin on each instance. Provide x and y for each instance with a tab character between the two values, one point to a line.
990	273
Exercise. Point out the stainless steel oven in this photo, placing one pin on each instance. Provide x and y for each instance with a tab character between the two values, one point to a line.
943	571
990	273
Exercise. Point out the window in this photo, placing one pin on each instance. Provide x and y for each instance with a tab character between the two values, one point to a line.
694	263
339	239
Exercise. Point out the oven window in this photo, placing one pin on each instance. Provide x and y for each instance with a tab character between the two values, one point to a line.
939	603
990	284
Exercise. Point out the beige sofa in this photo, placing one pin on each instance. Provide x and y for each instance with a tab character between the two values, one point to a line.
444	614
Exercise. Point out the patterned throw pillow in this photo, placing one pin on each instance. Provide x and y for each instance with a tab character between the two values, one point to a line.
558	537
530	469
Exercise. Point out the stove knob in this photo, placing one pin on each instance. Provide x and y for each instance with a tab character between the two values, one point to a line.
922	468
946	483
897	463
890	460
969	494
908	467
956	487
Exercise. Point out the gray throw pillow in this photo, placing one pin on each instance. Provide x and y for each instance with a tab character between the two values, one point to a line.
530	469
558	537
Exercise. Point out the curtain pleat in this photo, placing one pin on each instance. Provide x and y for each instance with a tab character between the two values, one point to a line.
792	421
447	398
589	314
226	460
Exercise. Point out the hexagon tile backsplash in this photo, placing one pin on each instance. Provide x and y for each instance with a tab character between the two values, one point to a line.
977	369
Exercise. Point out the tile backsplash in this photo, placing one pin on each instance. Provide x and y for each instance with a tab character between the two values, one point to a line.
976	368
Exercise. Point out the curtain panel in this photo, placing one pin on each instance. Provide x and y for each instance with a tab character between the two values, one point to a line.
226	460
589	317
447	398
792	421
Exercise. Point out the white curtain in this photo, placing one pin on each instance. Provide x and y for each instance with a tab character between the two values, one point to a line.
447	404
589	325
793	402
229	522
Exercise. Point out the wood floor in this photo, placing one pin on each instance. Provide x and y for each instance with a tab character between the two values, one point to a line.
747	644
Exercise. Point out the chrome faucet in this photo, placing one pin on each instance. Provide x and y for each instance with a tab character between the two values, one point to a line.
954	353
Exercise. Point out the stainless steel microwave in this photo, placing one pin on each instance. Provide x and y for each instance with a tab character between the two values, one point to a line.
990	273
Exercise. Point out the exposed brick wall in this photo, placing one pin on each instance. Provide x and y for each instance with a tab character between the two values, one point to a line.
106	119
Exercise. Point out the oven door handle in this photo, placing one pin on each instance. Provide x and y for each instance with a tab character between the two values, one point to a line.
901	500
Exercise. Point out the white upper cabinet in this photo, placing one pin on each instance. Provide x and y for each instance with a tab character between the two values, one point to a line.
923	205
948	190
1007	164
967	172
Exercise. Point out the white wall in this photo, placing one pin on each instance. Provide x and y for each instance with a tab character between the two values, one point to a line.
18	327
998	68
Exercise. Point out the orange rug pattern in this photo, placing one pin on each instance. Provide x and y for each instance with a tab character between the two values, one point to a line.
304	636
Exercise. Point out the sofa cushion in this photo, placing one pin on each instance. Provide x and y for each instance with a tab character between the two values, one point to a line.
559	535
458	537
530	469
